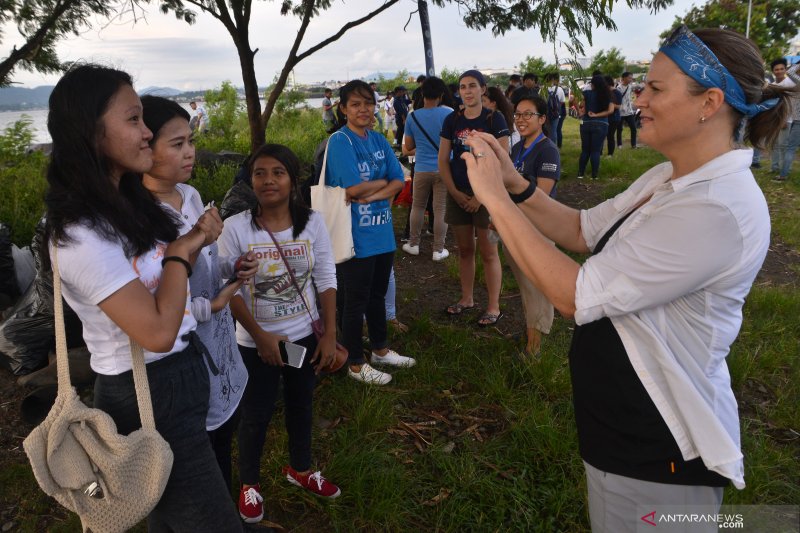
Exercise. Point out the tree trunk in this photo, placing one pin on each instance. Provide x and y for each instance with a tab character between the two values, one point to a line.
258	127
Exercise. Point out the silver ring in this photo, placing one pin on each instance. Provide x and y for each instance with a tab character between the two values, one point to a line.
478	155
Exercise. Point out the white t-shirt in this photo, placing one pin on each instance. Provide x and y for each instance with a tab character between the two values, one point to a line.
377	102
92	269
271	296
559	93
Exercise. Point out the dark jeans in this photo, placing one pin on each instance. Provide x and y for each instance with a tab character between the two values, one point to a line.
559	135
551	129
629	121
258	405
361	291
614	130
195	498
401	128
222	443
592	136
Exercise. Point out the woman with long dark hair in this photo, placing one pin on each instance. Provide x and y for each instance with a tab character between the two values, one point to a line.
495	100
125	272
659	302
173	160
361	161
598	105
295	262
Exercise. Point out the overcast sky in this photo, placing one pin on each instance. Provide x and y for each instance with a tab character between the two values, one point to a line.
163	51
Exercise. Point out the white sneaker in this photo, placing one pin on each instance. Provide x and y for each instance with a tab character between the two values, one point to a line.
441	256
393	358
413	250
580	177
369	375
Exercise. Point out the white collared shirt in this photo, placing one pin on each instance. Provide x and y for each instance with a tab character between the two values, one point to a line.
673	279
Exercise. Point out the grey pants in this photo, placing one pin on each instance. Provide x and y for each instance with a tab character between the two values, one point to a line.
425	184
618	503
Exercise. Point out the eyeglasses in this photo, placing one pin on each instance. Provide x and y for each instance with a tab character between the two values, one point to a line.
527	115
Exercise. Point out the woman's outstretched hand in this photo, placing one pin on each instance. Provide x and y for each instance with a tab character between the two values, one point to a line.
489	168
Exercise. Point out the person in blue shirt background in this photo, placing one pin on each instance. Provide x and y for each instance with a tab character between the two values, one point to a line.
361	161
422	140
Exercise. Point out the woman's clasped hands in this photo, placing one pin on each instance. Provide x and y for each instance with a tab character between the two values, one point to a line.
491	173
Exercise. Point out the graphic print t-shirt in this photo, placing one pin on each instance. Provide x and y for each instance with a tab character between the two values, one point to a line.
271	297
456	129
353	160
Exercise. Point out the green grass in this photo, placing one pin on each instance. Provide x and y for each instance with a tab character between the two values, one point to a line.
492	444
22	188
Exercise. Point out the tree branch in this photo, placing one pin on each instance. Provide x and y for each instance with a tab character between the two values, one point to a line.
349	25
31	48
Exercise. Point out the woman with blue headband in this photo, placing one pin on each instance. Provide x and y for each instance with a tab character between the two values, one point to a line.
659	302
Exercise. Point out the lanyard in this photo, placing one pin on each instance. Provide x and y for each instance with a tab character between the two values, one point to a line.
523	155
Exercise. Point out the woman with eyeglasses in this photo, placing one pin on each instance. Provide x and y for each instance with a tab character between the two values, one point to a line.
537	159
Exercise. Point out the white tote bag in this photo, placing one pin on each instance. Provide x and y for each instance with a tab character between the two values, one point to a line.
331	202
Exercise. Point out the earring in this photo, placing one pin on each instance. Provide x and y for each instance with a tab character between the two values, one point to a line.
702	120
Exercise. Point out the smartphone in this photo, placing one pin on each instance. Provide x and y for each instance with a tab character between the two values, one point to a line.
292	354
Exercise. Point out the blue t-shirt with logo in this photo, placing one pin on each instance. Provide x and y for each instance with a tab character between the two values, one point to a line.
430	120
456	129
353	160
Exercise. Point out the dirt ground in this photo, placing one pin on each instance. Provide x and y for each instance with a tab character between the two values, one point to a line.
430	279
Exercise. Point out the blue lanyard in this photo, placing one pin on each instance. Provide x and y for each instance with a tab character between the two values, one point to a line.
523	155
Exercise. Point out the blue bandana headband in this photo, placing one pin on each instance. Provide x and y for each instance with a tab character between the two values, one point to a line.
698	62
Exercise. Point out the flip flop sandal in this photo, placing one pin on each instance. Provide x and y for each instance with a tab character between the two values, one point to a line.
458	308
489	319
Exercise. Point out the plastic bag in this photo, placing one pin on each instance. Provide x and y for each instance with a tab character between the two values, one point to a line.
27	334
9	289
239	198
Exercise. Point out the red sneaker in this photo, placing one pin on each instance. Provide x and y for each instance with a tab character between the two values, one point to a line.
251	508
313	482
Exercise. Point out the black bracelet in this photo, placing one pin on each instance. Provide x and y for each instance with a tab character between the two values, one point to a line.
180	260
524	195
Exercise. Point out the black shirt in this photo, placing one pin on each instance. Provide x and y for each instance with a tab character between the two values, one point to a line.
543	161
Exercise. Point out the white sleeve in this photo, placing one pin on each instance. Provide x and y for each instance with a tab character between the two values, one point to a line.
201	309
661	257
229	243
324	271
92	266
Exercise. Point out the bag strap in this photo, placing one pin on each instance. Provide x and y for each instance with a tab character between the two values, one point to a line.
291	273
425	133
325	160
62	360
